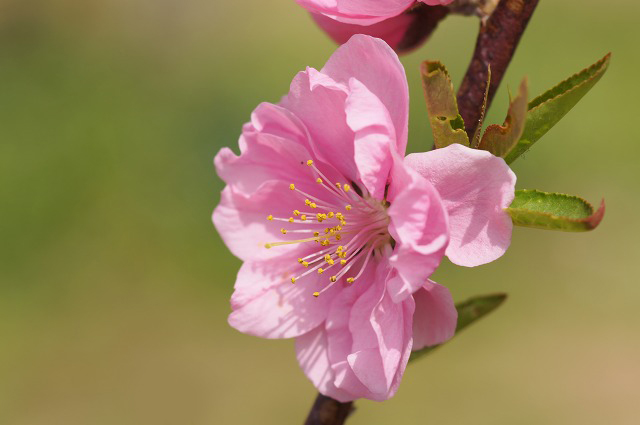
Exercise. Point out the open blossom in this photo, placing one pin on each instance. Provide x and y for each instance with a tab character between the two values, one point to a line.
397	22
339	232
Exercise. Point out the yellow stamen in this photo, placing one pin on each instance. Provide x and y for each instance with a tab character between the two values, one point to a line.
316	234
291	220
350	280
310	162
307	202
333	278
346	187
270	217
296	213
348	208
327	257
343	262
320	270
305	264
292	186
319	180
338	236
316	294
331	214
338	185
313	205
284	231
330	262
303	217
268	245
325	242
293	280
300	260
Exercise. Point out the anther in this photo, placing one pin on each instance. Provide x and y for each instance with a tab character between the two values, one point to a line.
291	220
296	213
331	214
348	208
293	280
310	162
307	202
303	217
316	294
343	262
350	280
283	231
333	278
292	186
268	245
346	187
270	217
319	180
313	205
320	270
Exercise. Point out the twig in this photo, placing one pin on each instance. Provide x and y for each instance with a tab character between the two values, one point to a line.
327	411
497	42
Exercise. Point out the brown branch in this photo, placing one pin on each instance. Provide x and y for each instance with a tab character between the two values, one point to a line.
425	20
327	411
497	42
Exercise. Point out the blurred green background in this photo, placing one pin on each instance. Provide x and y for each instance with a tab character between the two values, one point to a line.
114	285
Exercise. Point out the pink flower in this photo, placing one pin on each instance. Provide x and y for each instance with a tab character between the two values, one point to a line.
321	196
394	21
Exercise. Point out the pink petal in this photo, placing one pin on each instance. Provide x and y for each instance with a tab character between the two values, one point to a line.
391	30
382	338
373	63
436	2
374	135
313	357
418	226
241	220
435	317
361	12
266	304
274	146
319	102
475	187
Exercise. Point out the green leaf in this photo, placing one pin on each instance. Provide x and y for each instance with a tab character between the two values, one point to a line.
468	312
475	140
500	140
447	124
554	211
547	109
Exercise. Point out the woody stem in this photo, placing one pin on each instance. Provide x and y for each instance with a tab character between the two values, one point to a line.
497	42
327	411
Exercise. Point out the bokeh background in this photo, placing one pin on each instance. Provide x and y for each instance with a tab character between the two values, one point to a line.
114	285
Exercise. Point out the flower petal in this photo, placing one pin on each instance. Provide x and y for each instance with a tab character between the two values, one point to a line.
361	12
418	226
475	187
382	338
391	30
268	305
319	102
313	357
435	317
374	135
372	62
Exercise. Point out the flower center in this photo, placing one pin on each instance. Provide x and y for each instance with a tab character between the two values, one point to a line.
346	227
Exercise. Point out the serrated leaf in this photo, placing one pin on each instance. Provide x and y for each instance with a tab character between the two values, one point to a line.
447	124
469	312
501	139
547	109
554	211
475	141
